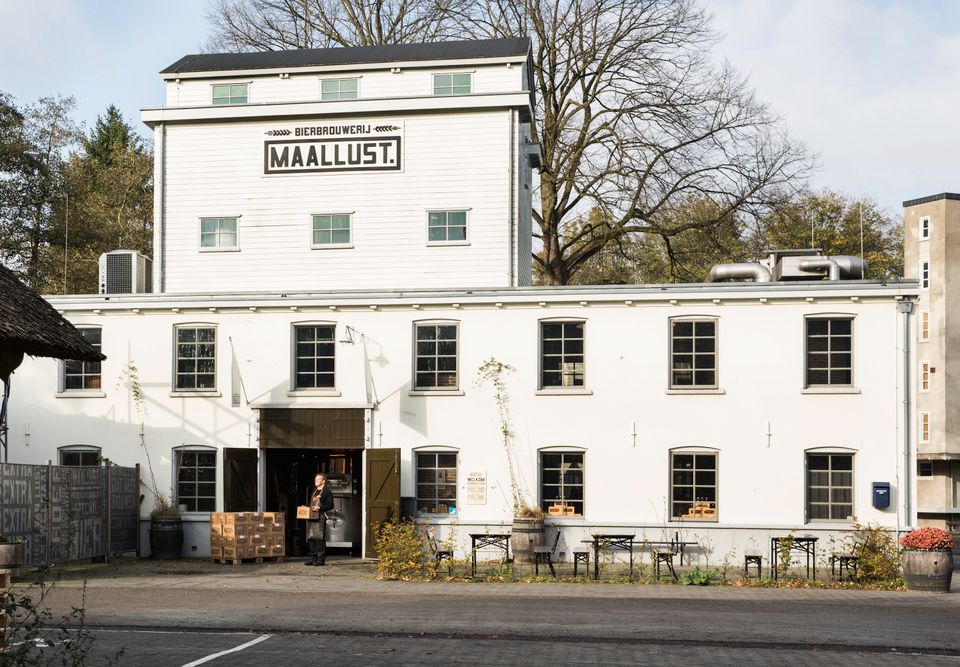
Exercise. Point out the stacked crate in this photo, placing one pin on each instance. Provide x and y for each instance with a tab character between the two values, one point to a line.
235	536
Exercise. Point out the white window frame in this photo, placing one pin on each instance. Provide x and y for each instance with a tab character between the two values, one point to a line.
853	483
695	452
311	391
218	248
175	475
416	388
230	96
561	388
923	427
924	377
923	274
331	246
436	451
433	83
694	319
923	232
827	387
564	451
339	80
923	333
97	392
203	391
79	449
447	212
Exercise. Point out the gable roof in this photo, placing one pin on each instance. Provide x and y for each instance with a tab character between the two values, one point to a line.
477	48
30	325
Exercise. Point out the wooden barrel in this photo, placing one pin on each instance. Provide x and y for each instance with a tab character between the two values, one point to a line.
166	538
526	534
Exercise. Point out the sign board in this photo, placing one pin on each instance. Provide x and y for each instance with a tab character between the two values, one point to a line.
334	148
477	488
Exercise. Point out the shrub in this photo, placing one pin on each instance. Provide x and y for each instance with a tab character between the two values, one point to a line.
697	577
879	558
927	539
403	552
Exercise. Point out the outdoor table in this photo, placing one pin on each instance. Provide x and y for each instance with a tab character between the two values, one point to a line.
670	545
484	540
603	541
805	545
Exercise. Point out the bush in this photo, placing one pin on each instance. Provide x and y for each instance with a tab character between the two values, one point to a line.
403	552
927	539
697	577
879	558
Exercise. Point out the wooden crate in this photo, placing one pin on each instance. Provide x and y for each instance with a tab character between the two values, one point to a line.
240	536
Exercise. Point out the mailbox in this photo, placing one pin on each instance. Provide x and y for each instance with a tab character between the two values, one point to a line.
881	495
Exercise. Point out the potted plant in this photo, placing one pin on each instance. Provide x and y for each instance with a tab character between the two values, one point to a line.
166	529
11	552
927	559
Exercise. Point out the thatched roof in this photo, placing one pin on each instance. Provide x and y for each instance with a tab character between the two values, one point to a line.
30	325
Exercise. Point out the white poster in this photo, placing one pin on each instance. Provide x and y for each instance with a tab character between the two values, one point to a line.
477	488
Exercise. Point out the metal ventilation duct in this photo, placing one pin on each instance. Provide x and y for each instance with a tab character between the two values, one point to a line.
740	271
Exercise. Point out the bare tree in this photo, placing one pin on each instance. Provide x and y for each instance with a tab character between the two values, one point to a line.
633	115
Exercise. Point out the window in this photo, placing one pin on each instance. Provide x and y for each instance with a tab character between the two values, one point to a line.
693	485
447	226
435	357
436	483
331	230
829	352
924	274
924	376
452	84
829	487
561	354
196	358
218	233
924	468
196	479
693	354
561	481
924	326
924	231
924	427
230	93
80	375
79	456
315	356
338	89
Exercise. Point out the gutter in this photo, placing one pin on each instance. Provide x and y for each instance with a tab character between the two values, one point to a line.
906	308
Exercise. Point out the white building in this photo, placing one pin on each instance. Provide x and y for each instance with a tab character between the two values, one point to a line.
343	240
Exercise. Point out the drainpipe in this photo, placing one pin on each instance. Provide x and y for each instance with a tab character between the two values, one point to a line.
511	175
906	307
160	217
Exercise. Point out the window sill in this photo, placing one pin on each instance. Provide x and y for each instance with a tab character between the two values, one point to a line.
332	246
695	391
329	393
219	249
441	244
195	394
438	392
683	521
830	390
575	391
81	393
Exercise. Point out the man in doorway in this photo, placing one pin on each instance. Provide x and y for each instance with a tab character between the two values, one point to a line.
321	502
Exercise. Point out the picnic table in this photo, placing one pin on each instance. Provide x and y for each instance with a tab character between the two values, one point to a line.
484	540
805	545
610	542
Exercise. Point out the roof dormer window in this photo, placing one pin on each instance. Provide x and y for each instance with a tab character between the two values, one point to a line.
338	89
230	93
453	84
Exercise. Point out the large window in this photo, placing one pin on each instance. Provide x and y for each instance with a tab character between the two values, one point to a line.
829	487
315	356
80	375
230	93
829	352
693	354
79	456
338	89
436	483
446	226
435	357
196	363
218	233
561	481
693	485
196	475
561	354
331	230
452	84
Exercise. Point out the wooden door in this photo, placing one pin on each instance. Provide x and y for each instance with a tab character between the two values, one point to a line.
239	480
383	492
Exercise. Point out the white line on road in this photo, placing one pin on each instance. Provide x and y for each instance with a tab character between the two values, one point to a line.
214	656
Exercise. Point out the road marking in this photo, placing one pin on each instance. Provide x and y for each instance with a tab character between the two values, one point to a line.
228	651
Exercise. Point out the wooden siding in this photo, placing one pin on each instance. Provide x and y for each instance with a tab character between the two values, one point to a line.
306	428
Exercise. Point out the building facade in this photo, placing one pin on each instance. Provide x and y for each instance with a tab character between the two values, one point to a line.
343	259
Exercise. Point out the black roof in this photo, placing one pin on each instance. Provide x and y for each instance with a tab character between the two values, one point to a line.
480	48
927	200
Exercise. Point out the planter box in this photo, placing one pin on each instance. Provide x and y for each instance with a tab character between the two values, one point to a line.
11	554
927	570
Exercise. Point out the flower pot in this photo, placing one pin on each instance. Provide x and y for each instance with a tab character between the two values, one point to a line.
526	535
166	538
927	570
11	554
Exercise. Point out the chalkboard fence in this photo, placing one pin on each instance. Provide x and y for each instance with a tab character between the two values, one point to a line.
68	513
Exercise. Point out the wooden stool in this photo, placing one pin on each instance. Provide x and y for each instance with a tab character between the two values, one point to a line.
664	558
581	556
752	559
846	562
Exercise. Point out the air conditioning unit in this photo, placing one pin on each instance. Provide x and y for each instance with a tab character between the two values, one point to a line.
125	272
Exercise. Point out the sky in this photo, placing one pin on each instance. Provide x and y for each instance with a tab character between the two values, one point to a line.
871	86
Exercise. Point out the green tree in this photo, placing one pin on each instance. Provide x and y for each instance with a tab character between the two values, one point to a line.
111	137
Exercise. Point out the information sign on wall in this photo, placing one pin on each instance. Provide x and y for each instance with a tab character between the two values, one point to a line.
477	488
334	147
